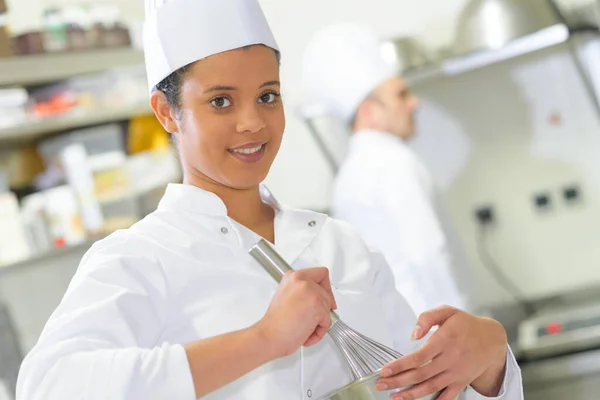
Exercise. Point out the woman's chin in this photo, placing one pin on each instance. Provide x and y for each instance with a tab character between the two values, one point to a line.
246	180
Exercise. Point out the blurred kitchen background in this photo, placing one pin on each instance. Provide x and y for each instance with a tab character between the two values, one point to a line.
509	125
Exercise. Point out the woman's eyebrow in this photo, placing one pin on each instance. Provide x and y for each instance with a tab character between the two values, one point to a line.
219	88
270	83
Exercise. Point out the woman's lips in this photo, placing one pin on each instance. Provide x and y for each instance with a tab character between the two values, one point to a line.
249	153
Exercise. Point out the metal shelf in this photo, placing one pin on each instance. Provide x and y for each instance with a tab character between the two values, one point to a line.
44	68
456	65
54	253
34	128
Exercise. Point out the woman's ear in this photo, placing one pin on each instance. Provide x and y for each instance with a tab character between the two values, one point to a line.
364	112
163	111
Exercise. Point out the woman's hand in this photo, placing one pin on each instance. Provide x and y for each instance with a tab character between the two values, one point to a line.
299	312
465	350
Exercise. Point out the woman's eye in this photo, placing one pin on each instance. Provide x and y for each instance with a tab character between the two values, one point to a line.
268	98
220	102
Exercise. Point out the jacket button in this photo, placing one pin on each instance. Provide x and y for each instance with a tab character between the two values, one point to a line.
312	224
309	393
224	231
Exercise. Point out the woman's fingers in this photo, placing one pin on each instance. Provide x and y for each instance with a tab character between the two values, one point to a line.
431	318
431	349
430	386
318	334
418	375
319	275
324	319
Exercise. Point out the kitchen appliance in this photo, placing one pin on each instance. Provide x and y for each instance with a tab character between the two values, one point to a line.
492	24
406	52
365	357
492	31
559	354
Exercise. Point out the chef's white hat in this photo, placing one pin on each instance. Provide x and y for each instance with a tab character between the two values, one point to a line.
341	66
179	32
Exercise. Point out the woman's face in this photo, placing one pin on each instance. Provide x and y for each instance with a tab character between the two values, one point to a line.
231	122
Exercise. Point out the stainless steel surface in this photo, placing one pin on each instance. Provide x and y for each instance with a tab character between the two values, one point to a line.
271	261
559	349
492	31
492	24
560	331
561	368
363	354
586	79
583	16
584	388
364	389
573	377
327	153
406	52
10	350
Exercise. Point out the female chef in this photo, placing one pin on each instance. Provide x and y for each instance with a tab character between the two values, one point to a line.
175	308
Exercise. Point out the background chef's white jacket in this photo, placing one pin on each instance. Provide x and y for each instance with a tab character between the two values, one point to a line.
387	194
184	274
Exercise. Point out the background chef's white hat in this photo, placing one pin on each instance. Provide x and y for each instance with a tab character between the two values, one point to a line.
342	65
179	32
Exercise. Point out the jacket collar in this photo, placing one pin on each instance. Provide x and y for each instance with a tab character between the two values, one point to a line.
295	229
376	137
192	198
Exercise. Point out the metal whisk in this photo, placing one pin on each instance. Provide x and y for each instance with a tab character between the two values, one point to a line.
363	355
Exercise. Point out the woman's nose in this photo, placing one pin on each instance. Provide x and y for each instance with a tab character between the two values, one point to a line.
250	121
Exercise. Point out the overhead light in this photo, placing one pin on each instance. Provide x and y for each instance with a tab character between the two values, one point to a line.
541	39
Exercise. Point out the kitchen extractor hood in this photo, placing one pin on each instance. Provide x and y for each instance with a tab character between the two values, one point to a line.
489	32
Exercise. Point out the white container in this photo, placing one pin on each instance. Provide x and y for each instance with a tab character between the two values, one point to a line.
55	31
79	176
111	176
64	218
152	169
35	223
13	241
114	190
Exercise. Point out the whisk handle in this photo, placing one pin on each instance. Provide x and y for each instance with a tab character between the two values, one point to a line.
275	265
270	260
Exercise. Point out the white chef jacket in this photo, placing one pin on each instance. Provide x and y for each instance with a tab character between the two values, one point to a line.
183	274
387	194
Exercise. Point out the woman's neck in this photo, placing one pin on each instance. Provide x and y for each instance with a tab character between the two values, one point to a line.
244	206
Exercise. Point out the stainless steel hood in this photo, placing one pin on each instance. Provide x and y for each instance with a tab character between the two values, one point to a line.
492	31
546	37
406	52
493	24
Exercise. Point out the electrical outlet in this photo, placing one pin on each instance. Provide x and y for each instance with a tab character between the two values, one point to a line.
542	201
485	215
572	194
